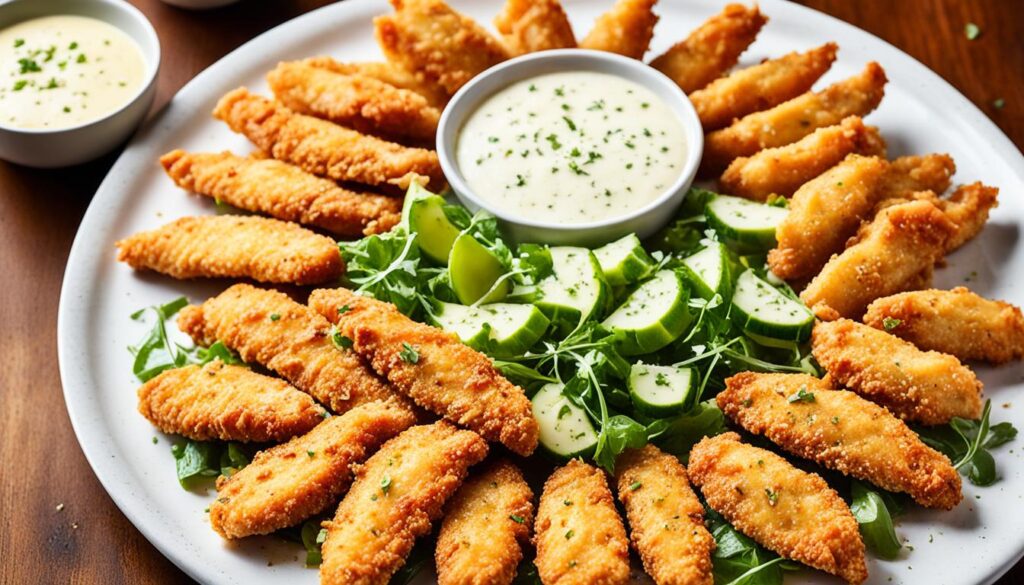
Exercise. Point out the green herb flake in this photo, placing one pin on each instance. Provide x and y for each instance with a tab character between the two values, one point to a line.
773	497
409	354
635	486
18	43
275	317
890	323
81	58
998	103
801	395
20	84
28	66
311	454
972	31
516	519
569	534
385	485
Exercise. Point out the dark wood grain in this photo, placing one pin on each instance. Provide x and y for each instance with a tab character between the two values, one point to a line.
57	525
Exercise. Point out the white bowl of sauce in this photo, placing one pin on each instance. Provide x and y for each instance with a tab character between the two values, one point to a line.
571	146
76	78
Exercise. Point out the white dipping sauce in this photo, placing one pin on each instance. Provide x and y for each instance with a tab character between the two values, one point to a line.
571	148
62	71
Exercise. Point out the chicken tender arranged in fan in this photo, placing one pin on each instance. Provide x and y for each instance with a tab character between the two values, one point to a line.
625	29
789	511
389	73
527	26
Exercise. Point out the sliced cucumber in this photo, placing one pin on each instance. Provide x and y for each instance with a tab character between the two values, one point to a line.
565	430
660	391
497	329
423	215
748	224
474	270
654	315
761	309
576	290
708	271
624	261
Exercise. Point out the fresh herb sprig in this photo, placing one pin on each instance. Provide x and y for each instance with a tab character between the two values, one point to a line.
967	444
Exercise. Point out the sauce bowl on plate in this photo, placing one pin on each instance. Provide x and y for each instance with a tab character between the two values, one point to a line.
571	146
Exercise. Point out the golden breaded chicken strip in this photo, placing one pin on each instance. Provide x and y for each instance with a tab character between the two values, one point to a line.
396	495
283	191
356	101
527	26
266	327
713	48
841	431
234	246
433	368
666	520
784	170
579	536
323	148
227	403
958	322
789	511
792	120
389	73
626	29
760	86
925	387
293	481
910	174
890	255
485	525
442	47
968	207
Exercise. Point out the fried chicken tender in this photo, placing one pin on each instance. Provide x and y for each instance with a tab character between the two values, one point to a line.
890	255
666	520
958	322
296	345
293	481
968	207
528	26
841	431
445	376
761	86
396	495
789	511
389	73
227	403
485	525
234	246
711	50
442	47
911	174
626	29
792	120
283	191
925	387
783	170
324	148
579	536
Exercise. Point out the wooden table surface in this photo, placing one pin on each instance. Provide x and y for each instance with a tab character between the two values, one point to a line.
57	525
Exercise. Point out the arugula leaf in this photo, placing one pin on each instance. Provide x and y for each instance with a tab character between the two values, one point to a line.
874	520
196	461
385	267
679	434
738	560
312	536
157	353
617	434
966	443
421	555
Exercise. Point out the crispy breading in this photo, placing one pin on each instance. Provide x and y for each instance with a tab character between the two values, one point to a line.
579	535
324	148
841	431
528	26
713	48
228	403
625	29
789	511
283	191
968	207
760	86
296	345
485	525
958	322
666	520
890	255
396	495
792	120
442	47
910	174
389	73
925	387
446	377
293	481
359	102
234	246
784	170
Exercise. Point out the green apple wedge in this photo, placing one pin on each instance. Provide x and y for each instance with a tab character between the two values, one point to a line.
423	215
475	272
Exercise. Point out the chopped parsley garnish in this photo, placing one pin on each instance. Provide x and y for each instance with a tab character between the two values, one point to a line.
569	534
972	31
81	58
409	354
635	486
20	84
520	181
559	92
553	139
773	497
28	66
576	168
18	43
73	46
344	309
275	317
311	454
570	123
533	87
516	519
492	139
661	379
801	395
998	103
385	485
890	323
340	341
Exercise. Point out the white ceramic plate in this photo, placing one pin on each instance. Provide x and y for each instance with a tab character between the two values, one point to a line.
976	543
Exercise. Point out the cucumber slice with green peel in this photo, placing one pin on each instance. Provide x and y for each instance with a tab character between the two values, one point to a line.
655	315
474	270
565	429
497	329
423	215
576	290
661	391
624	261
763	310
708	271
749	224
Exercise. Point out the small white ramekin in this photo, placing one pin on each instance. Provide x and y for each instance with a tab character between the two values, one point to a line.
61	147
644	221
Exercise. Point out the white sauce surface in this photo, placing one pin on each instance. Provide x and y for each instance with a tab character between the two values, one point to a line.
62	71
572	147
